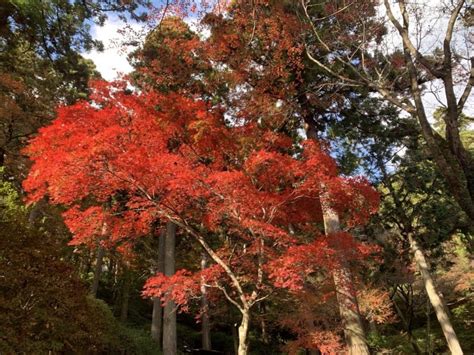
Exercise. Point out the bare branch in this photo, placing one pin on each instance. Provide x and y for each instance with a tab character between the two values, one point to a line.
467	89
449	32
403	31
348	81
230	299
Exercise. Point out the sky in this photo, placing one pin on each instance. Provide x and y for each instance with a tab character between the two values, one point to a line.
113	60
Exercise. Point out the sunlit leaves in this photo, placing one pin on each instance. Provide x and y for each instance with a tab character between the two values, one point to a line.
127	160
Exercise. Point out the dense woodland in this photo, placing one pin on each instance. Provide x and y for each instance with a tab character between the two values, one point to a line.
268	179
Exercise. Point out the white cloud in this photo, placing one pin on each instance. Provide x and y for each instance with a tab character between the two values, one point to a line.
113	60
114	34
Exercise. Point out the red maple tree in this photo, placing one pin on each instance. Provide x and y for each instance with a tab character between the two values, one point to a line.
247	195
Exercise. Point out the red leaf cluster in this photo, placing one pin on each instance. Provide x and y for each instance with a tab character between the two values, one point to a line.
127	159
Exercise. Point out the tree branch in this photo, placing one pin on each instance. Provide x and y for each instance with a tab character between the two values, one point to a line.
403	31
449	33
467	89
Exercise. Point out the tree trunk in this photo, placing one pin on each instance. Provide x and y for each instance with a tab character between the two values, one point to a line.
85	260
97	270
125	294
244	306
346	294
435	299
263	324
414	344
36	211
157	315
169	316
157	321
205	324
235	338
422	264
243	333
98	263
448	163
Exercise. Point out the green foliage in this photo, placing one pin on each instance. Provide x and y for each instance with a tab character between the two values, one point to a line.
138	342
366	133
463	319
43	304
377	341
10	205
399	343
466	130
428	209
41	65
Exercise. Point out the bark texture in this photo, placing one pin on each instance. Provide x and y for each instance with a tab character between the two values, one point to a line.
127	280
157	321
438	305
346	294
97	270
205	323
243	333
157	315
169	314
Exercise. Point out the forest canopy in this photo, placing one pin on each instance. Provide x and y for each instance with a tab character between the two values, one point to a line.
264	177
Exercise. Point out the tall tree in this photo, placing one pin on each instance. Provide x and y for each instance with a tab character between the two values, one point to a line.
354	331
410	220
416	202
362	58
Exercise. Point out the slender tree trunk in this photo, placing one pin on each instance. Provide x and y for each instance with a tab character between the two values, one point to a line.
157	321
85	263
125	294
36	211
205	324
422	264
435	299
98	263
169	315
157	315
263	324
244	306
346	294
414	344
235	338
354	333
263	327
243	333
97	270
373	327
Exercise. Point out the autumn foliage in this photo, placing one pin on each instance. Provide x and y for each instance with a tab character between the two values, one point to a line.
228	154
204	143
127	159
